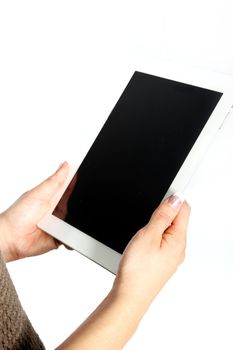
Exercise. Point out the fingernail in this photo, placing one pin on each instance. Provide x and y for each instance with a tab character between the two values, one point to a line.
176	200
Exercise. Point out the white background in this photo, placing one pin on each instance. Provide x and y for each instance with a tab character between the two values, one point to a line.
61	65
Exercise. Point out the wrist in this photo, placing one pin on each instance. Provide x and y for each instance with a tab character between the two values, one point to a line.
139	292
131	300
119	317
5	241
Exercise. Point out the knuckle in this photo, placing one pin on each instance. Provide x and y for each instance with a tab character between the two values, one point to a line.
181	244
164	216
52	178
179	256
25	194
141	233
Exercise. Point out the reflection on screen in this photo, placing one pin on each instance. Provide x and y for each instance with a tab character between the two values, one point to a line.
135	158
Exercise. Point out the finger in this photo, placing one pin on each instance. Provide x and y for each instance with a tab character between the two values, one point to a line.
61	209
48	188
164	215
179	226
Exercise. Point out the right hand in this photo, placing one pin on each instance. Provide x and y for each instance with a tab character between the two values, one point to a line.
148	261
154	253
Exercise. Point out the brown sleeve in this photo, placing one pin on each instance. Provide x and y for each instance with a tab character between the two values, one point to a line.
16	331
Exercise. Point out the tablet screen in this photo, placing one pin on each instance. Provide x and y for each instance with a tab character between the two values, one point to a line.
135	158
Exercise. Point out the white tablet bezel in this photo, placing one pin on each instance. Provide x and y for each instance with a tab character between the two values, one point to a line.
97	251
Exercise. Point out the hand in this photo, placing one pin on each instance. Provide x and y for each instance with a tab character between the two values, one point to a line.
19	235
154	253
148	261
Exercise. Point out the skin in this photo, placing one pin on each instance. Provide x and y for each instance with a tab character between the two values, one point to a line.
149	260
20	237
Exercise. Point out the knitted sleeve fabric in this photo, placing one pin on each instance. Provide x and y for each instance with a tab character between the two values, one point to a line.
16	331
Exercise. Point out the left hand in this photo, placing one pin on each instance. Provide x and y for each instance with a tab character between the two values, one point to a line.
19	235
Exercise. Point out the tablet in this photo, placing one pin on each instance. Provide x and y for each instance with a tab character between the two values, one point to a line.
148	148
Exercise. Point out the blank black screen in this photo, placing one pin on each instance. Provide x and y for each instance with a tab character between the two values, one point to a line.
135	158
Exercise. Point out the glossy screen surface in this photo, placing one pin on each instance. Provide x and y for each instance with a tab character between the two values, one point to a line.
135	158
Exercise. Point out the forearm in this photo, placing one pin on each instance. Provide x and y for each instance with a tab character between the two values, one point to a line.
110	326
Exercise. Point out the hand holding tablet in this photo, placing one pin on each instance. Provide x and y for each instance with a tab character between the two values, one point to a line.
154	252
150	258
20	236
148	148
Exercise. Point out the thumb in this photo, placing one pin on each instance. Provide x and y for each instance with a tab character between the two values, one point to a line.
46	190
33	204
164	215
